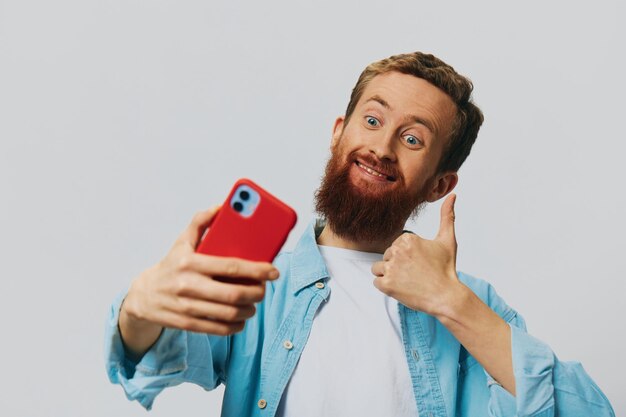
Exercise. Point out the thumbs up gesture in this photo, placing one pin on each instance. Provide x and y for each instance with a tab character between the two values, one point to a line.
421	273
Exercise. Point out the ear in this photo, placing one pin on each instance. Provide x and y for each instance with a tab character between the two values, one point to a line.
337	131
443	185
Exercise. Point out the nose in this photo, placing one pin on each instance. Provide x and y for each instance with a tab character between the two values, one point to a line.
383	146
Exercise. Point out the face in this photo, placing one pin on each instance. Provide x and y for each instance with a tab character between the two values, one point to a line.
399	129
384	159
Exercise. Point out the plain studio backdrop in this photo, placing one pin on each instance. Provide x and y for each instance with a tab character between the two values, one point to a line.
121	119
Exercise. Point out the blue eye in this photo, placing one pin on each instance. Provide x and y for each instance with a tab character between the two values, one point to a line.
411	140
372	121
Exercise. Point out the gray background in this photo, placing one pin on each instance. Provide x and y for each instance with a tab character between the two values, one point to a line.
120	119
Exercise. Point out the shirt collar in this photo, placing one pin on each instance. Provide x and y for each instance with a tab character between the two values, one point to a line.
307	264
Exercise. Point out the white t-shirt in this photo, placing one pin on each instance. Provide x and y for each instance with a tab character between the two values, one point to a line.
353	363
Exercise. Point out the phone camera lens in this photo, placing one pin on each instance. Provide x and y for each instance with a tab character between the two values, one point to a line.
238	207
244	195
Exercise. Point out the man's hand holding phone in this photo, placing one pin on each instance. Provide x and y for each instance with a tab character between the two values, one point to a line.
190	291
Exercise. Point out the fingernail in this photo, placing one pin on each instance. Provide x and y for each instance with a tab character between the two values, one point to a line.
274	274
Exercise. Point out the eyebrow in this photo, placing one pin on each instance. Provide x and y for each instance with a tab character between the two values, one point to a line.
410	118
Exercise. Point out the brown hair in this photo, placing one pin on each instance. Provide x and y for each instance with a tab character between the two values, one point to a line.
435	71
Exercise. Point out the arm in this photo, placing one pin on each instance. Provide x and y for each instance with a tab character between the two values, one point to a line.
177	356
186	291
421	274
485	335
169	326
529	379
546	386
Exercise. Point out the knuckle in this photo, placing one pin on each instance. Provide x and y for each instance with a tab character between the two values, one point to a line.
381	283
384	283
220	329
181	285
185	323
186	306
259	293
261	272
231	313
233	296
184	263
409	238
232	268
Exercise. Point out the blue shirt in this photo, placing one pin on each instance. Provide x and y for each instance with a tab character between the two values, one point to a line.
256	364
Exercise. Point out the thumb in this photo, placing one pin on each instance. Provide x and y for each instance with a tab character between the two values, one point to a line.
200	222
446	227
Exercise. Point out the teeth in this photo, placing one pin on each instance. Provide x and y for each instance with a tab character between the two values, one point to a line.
371	171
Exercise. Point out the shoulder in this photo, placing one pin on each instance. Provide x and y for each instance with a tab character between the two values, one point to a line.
487	293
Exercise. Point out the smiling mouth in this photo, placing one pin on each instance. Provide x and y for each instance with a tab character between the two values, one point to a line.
373	172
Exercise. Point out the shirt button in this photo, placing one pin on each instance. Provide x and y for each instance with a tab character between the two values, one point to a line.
287	344
416	355
262	403
319	285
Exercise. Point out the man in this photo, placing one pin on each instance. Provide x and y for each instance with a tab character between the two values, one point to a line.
365	319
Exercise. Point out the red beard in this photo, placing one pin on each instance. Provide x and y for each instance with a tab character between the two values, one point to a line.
368	212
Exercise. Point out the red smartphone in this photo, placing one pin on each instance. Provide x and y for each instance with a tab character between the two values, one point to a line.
251	224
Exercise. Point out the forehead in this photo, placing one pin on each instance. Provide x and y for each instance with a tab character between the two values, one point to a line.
410	95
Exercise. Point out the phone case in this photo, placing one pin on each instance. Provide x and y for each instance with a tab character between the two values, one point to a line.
258	237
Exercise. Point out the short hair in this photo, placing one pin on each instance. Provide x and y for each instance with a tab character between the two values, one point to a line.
469	118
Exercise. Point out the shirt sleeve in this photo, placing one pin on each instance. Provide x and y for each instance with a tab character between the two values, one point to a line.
544	385
177	356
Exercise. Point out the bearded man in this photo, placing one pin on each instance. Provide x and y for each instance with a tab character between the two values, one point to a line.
365	320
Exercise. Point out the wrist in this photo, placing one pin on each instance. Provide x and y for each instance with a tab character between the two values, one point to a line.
130	320
455	304
137	334
126	316
132	308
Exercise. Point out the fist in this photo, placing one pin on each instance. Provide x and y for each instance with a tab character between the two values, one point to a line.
197	292
421	273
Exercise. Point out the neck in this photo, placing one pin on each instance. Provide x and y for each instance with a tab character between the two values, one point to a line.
329	238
